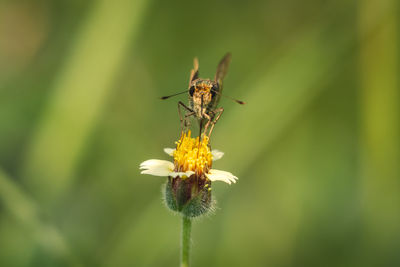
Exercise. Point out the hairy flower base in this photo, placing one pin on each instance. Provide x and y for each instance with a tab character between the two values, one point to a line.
191	196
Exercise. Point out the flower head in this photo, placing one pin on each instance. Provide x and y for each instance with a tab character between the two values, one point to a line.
188	189
191	154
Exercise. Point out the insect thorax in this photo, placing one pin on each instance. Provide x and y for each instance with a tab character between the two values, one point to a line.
201	96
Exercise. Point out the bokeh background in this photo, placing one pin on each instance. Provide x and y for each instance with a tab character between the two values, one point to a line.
316	147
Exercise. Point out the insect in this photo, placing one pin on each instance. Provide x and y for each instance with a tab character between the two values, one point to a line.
204	95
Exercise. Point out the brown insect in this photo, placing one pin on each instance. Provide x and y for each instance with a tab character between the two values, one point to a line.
204	95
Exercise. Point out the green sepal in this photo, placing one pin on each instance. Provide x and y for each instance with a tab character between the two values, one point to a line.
170	199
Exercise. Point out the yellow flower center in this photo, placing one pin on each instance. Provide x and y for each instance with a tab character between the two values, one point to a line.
192	154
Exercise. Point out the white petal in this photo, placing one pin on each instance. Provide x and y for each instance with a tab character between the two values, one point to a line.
169	151
216	154
157	167
217	175
181	174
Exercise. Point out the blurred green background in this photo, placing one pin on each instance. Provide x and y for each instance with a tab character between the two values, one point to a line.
316	147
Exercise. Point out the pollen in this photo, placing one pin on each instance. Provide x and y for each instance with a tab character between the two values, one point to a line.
192	154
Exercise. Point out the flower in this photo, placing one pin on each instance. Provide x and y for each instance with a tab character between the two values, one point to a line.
191	155
188	189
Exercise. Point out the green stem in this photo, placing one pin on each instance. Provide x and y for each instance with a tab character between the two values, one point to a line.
185	244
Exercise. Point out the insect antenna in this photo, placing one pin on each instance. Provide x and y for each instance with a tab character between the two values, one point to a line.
231	98
168	96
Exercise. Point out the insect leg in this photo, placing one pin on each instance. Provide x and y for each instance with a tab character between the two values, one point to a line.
209	119
217	113
201	122
184	120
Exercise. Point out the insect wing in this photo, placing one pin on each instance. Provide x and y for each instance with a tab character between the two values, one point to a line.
222	70
194	74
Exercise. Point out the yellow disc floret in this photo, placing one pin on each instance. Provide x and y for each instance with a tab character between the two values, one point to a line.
192	154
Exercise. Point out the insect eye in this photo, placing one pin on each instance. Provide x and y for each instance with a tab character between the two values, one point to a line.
214	89
191	90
